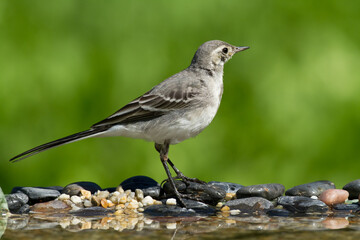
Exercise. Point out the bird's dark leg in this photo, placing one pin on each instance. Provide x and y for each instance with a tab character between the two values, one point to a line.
163	149
180	175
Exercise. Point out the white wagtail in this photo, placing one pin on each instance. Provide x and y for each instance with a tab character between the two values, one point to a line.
178	108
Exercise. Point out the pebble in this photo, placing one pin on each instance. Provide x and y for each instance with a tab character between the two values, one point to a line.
267	191
76	199
300	204
334	196
353	188
16	200
206	193
133	204
63	196
346	207
148	185
147	201
227	186
76	187
85	193
171	201
39	194
225	209
251	204
51	206
87	203
310	189
230	196
102	194
139	194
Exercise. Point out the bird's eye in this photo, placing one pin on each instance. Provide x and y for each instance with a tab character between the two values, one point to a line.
225	50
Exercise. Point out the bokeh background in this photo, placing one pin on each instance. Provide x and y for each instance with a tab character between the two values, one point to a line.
290	111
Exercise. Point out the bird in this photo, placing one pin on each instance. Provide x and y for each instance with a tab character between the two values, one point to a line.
178	108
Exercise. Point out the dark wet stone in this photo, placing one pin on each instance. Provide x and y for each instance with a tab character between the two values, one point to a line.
251	204
92	212
353	188
40	194
301	204
278	212
268	191
149	186
169	211
23	210
51	206
346	207
227	186
75	188
206	193
16	200
180	186
58	188
310	189
200	208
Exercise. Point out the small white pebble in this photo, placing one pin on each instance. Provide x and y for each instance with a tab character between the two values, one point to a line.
64	197
147	201
219	204
76	199
314	197
133	204
234	212
171	201
139	194
87	203
140	209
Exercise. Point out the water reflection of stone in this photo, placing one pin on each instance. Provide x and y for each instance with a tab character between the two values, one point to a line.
180	228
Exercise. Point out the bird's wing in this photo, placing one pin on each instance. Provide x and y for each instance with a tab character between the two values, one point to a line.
152	105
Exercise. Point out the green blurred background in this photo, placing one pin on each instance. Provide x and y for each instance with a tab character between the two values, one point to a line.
290	111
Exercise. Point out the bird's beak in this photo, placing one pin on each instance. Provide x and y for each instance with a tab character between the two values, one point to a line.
239	49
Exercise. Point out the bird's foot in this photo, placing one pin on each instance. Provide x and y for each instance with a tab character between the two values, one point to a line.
187	179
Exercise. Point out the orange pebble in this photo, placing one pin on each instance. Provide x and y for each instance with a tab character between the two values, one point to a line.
334	196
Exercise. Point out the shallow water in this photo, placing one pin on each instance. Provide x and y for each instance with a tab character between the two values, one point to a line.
140	227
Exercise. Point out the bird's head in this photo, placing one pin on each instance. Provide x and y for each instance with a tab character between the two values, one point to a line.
214	54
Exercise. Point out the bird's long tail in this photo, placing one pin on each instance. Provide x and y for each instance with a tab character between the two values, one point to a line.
62	141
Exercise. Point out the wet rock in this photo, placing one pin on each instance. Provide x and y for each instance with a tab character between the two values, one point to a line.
334	196
206	193
278	212
353	188
169	211
50	207
16	200
227	186
194	208
148	185
92	212
346	207
75	188
25	209
251	204
301	204
39	194
268	191
310	189
58	188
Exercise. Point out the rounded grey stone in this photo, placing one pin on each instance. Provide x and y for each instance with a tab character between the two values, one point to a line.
227	186
251	204
310	189
353	188
302	204
268	191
